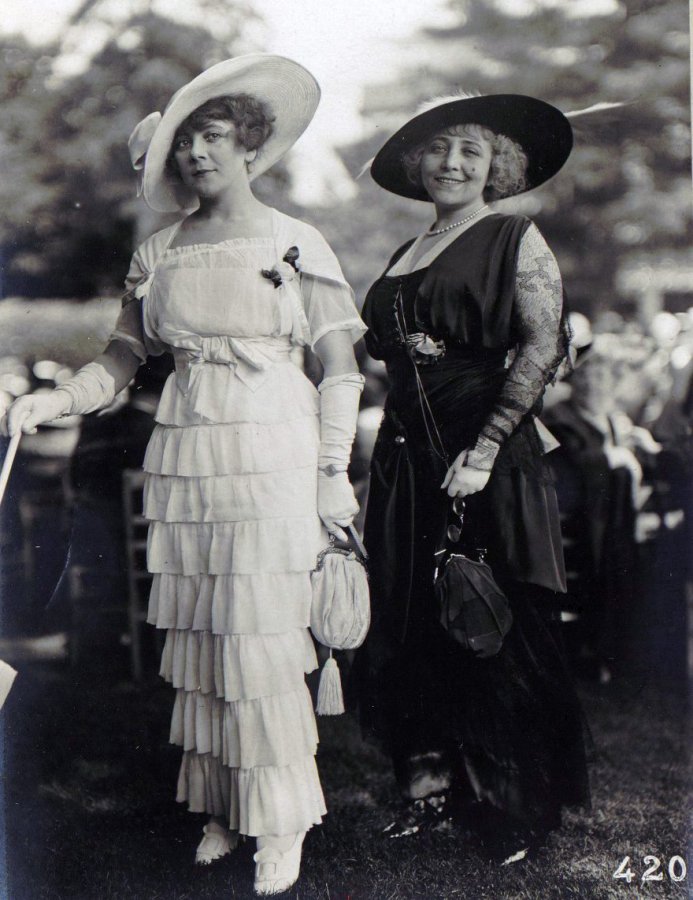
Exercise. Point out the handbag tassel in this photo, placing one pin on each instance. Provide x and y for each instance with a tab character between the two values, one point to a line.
330	696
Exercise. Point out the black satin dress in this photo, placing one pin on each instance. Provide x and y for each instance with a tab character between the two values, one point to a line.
507	732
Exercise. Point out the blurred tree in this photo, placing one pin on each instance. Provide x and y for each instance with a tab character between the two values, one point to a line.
69	216
626	187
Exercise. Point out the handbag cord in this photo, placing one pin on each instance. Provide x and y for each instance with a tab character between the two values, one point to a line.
357	541
354	537
426	411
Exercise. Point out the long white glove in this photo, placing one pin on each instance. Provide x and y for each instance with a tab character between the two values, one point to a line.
339	408
90	389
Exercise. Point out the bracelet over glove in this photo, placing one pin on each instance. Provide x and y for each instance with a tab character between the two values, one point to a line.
339	407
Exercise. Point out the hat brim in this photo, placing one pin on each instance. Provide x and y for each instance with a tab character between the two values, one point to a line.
542	131
288	89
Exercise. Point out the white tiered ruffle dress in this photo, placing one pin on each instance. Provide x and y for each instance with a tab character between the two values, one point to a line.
231	494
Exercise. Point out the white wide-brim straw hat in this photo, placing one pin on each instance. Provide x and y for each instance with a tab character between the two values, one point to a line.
290	92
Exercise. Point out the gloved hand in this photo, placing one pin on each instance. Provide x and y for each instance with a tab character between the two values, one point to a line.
31	410
337	504
91	388
339	407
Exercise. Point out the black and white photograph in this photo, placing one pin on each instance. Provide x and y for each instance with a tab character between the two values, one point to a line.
346	449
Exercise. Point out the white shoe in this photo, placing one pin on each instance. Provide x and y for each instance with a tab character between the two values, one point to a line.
276	872
217	842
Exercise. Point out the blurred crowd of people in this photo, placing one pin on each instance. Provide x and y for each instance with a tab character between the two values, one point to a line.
623	475
622	413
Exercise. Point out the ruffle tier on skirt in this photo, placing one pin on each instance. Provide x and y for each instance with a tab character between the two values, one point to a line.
231	495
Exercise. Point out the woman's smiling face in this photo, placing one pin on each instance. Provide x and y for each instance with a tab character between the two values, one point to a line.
454	168
210	158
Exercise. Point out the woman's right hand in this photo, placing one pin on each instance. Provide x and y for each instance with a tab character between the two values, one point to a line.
462	479
32	410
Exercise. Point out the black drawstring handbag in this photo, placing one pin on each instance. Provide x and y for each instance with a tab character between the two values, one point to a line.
473	609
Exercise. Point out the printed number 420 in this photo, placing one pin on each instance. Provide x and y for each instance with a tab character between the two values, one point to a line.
676	869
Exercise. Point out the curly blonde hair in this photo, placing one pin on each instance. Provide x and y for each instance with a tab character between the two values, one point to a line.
508	170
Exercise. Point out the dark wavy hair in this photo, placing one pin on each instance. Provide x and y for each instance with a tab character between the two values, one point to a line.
507	173
251	118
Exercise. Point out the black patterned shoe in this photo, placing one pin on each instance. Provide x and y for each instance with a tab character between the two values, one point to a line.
427	814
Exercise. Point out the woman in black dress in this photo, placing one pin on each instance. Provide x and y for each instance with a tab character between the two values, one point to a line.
468	318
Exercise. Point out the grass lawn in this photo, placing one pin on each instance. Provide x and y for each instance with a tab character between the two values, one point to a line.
90	814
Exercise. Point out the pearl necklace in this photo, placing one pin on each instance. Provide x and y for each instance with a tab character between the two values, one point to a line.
431	231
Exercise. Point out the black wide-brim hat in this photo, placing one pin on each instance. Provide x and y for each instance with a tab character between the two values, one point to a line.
542	131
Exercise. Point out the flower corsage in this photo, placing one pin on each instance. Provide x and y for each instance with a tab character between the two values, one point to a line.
283	271
424	349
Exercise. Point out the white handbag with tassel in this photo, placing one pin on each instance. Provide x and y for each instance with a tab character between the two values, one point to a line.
340	613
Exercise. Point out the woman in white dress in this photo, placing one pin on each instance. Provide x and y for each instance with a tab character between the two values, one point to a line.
247	465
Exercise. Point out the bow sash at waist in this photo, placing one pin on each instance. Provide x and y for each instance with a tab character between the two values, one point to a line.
249	358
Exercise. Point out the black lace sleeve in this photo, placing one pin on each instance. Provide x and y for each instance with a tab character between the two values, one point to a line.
542	343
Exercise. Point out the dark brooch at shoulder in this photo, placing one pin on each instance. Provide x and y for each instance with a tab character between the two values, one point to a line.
285	270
